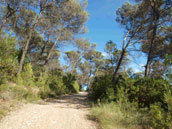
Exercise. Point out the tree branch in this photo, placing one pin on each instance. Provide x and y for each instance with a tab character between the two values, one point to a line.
126	36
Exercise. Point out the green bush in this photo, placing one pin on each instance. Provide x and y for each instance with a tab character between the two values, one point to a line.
71	84
159	118
147	91
155	94
161	114
102	89
56	85
51	84
27	75
149	97
42	84
42	79
76	86
45	92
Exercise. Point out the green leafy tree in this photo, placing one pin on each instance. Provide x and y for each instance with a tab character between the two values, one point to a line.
8	58
156	27
73	58
132	19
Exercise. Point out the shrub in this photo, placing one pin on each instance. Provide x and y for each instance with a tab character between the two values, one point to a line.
161	114
150	98
45	92
102	89
148	91
56	85
42	79
71	84
27	75
76	87
51	84
159	118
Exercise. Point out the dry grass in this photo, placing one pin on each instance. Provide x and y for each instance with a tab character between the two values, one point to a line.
111	116
12	95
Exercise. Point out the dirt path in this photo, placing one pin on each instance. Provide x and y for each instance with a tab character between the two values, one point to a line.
68	112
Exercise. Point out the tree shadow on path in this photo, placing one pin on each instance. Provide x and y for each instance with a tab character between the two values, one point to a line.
75	101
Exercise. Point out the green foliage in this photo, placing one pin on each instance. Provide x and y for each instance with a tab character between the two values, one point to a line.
45	92
71	84
51	84
76	86
159	118
160	115
27	75
150	98
42	83
147	91
42	79
168	63
56	85
102	89
152	93
8	61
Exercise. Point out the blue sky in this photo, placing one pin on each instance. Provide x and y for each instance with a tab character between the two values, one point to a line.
101	24
103	27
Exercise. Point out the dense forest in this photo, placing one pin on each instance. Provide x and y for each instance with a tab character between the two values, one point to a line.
33	31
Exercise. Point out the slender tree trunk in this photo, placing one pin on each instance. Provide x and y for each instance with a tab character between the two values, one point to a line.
118	65
52	48
149	59
27	43
148	64
124	47
89	80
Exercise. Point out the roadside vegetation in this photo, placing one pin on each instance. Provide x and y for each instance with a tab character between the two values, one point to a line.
34	64
131	100
29	59
136	103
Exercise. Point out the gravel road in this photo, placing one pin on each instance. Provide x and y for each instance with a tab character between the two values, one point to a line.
67	112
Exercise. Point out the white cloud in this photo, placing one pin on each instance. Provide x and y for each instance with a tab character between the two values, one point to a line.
137	67
104	54
137	70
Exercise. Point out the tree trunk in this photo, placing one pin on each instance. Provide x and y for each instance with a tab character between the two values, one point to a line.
149	59
54	45
27	44
148	64
89	80
118	65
